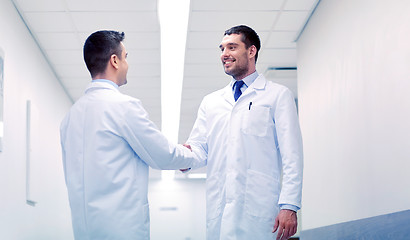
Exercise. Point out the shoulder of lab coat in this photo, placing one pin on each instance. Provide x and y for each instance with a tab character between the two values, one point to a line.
133	125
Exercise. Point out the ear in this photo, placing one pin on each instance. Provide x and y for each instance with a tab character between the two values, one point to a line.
114	61
252	51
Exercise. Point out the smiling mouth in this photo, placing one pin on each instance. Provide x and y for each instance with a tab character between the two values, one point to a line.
228	62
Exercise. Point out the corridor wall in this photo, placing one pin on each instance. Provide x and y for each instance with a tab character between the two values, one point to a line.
28	77
354	106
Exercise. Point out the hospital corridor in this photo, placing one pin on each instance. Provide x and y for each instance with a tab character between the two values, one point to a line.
293	114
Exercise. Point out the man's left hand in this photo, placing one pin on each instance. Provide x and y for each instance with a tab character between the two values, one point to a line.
286	224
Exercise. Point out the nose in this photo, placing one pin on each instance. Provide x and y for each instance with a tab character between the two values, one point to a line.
224	54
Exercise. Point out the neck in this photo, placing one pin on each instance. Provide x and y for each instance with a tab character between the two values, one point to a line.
106	77
249	72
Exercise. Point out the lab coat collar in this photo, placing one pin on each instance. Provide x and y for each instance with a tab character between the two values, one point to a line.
99	84
248	80
227	94
259	83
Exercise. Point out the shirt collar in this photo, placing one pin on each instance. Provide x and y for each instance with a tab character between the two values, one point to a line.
248	80
106	81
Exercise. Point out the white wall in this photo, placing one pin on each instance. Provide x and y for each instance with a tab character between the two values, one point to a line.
354	103
177	209
27	77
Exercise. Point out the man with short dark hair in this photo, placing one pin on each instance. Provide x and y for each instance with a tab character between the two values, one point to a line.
248	135
108	142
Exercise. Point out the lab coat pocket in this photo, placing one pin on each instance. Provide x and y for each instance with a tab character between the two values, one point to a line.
261	197
256	120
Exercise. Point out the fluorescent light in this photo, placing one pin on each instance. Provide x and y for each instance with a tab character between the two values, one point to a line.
173	19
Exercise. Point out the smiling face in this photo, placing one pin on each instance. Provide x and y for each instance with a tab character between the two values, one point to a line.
237	61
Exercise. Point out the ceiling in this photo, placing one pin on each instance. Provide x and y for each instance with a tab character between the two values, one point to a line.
60	28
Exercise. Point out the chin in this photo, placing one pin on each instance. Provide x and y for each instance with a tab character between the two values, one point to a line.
227	71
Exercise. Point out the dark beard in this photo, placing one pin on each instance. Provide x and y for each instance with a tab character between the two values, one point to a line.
237	72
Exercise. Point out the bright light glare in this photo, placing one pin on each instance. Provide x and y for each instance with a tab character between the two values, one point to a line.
197	175
173	18
168	175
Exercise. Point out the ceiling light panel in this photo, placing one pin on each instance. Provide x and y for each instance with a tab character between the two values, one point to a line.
220	21
197	55
53	41
144	56
120	21
205	40
142	40
281	40
236	5
298	5
214	69
143	70
110	6
41	5
278	57
72	70
49	22
291	20
65	56
76	83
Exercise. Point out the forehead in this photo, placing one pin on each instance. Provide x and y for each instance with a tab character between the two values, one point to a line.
232	39
123	47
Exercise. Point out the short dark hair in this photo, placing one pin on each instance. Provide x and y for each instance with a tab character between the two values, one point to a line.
98	49
249	37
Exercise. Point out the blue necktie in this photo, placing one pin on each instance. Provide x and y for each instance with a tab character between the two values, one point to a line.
238	85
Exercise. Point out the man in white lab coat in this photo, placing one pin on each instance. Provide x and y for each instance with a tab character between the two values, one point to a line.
249	137
108	142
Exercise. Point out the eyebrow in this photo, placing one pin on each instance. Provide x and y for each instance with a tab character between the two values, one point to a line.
229	44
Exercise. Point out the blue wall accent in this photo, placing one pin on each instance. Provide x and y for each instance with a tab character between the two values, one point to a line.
385	227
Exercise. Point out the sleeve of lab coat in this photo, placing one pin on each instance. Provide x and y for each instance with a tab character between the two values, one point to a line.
198	137
62	138
149	143
290	147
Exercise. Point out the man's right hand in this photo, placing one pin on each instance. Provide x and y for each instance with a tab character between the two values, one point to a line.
286	224
186	169
187	146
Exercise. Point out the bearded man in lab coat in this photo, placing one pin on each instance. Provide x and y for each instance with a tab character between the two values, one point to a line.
108	142
249	137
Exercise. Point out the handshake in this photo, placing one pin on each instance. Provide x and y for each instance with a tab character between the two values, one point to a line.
186	169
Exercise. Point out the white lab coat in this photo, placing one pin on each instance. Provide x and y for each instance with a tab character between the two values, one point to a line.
108	142
247	146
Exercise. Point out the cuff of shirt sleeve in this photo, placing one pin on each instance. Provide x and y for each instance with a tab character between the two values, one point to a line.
289	207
